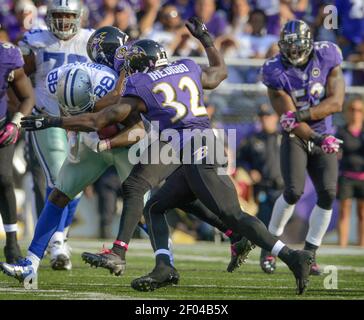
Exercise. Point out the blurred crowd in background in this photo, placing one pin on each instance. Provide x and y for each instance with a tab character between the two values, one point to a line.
243	29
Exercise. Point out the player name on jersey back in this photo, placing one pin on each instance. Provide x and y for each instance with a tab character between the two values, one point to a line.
172	69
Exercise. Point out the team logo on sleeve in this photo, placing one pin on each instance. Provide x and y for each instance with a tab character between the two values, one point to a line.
316	72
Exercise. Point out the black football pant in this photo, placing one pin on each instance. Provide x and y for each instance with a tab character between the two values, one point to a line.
7	194
192	181
297	156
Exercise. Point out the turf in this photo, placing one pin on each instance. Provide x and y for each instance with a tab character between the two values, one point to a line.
203	276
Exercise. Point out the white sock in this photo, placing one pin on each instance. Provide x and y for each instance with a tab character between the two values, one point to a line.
11	227
167	252
34	259
277	248
170	247
282	212
319	222
57	237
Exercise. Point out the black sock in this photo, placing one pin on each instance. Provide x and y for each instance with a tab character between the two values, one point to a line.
311	247
284	254
119	250
163	259
11	238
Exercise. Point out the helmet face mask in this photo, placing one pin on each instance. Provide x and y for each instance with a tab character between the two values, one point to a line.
296	42
64	18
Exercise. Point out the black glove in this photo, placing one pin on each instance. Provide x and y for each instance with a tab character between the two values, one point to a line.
199	31
40	122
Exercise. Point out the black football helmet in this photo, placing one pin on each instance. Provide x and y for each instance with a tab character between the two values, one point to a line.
145	55
103	43
296	42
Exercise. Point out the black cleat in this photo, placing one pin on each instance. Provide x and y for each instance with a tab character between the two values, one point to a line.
315	269
161	276
106	259
300	265
267	262
239	253
12	254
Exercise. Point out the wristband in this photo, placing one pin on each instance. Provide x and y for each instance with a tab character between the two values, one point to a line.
317	138
103	145
17	118
303	115
55	122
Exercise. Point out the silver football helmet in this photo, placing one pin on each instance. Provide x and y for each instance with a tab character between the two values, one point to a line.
64	27
75	92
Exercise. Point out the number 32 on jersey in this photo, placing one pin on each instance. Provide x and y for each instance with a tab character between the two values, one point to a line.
170	98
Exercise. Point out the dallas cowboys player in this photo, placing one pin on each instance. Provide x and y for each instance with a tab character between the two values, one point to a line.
11	74
45	50
173	95
306	86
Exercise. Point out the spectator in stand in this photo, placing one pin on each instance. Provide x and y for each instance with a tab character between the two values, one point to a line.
171	32
351	180
298	7
272	10
239	17
185	7
215	21
351	26
125	20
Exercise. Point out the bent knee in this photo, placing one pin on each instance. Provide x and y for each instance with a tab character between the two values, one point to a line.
326	199
291	196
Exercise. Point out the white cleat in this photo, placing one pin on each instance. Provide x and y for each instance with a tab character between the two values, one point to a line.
60	256
23	271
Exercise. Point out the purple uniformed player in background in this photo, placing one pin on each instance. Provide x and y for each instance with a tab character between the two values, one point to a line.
11	73
306	86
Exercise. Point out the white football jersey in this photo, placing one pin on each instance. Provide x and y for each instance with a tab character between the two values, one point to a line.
103	78
51	53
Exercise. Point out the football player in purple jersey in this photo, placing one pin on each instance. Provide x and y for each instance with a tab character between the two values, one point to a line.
305	86
172	95
11	74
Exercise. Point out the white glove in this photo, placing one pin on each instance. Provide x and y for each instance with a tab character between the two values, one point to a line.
91	140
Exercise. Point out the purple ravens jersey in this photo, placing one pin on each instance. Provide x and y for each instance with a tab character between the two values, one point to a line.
10	59
173	96
306	86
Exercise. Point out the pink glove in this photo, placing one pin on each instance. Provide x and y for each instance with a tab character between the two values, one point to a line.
330	144
288	121
9	135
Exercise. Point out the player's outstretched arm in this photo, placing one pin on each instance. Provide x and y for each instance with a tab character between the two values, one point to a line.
216	72
87	122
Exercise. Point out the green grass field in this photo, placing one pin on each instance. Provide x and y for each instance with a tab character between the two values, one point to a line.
203	276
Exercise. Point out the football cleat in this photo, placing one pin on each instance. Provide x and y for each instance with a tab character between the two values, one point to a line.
22	270
267	262
106	259
60	256
239	253
161	276
315	269
300	265
12	254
